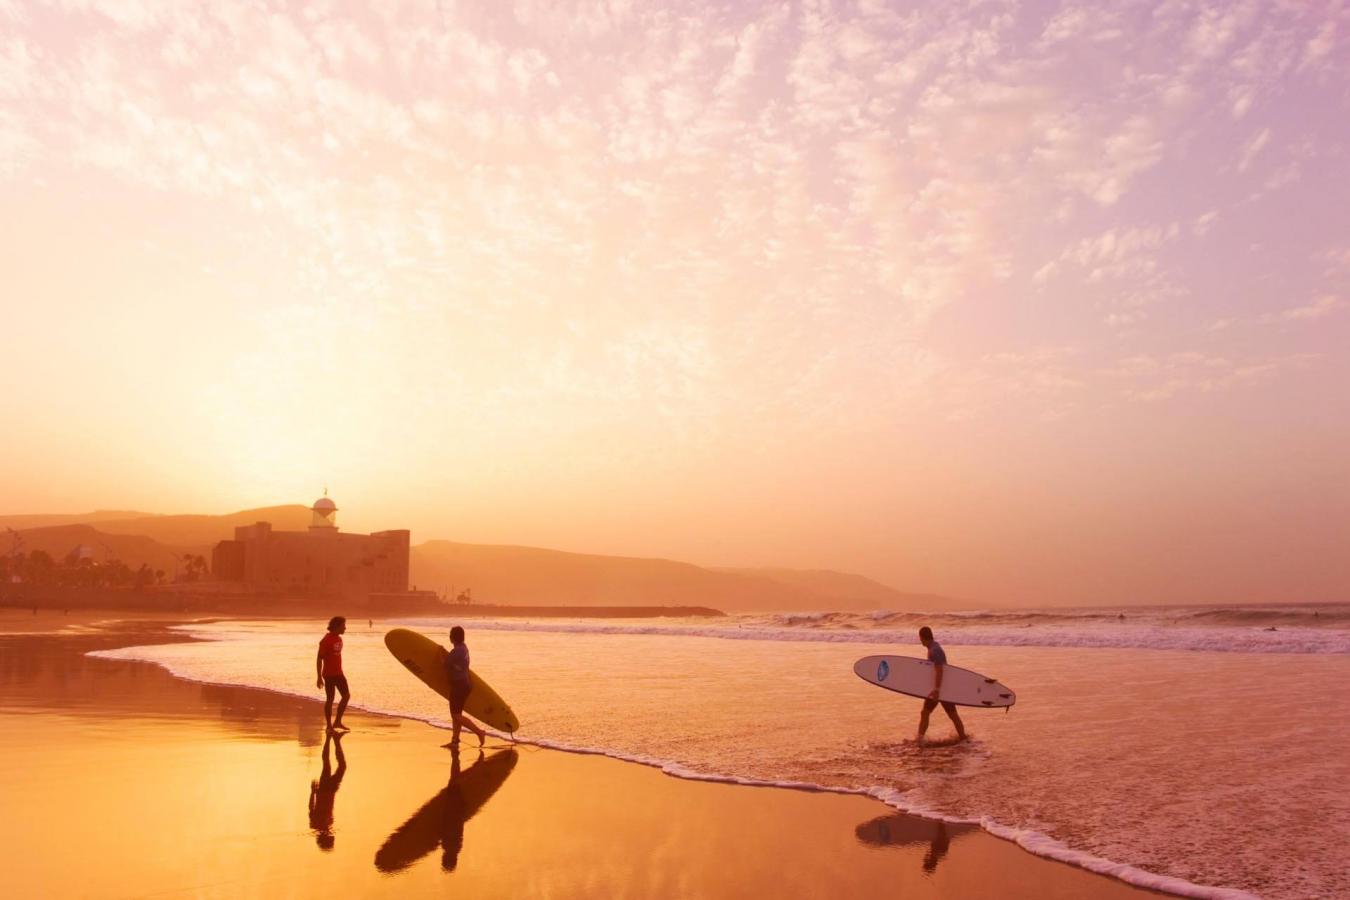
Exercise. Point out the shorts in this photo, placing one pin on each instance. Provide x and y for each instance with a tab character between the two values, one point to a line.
458	694
338	683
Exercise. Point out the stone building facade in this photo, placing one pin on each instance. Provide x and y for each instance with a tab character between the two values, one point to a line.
319	562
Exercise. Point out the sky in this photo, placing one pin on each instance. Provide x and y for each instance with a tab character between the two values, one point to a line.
1026	302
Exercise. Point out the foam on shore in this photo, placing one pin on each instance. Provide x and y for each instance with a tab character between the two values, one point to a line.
1229	639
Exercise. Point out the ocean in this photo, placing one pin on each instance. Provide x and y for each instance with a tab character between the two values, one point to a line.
1197	750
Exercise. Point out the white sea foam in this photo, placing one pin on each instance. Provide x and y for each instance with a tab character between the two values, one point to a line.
1229	639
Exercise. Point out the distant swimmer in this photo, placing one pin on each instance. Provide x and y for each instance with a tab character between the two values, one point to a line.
328	666
938	657
457	668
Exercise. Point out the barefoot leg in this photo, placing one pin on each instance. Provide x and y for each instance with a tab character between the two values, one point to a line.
928	707
950	710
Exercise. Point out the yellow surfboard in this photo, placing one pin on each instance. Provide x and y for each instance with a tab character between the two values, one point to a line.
425	658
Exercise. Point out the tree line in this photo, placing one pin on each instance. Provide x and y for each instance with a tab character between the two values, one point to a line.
74	570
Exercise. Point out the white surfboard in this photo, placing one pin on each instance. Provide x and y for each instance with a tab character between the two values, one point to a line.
914	677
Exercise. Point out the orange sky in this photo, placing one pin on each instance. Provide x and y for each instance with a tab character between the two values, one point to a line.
1046	306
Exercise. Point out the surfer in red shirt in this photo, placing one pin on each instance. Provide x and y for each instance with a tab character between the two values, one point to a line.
328	666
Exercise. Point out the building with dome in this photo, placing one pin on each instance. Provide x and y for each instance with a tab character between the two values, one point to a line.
319	562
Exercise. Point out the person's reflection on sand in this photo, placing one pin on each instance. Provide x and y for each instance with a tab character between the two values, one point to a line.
453	814
903	830
440	821
323	792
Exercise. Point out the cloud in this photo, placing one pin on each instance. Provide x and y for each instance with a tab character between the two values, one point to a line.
1319	48
1082	23
18	69
17	146
1253	148
763	180
1203	222
1316	309
1214	30
1153	379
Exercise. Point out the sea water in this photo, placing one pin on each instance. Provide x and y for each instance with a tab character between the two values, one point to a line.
1199	751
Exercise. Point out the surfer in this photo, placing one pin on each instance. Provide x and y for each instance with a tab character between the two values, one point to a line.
457	668
328	667
938	657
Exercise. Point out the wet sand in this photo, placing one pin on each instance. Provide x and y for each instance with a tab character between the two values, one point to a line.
46	619
122	781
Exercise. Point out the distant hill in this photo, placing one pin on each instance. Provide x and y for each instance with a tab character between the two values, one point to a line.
533	576
46	520
59	540
529	575
847	591
200	533
195	533
497	574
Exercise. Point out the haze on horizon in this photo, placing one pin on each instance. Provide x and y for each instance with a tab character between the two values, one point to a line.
1028	301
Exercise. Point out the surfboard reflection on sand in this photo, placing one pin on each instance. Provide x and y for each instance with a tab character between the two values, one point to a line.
902	830
440	821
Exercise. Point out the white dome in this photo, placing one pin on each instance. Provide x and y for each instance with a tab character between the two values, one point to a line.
324	504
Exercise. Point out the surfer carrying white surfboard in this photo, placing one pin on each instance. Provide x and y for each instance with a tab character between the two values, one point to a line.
938	657
457	669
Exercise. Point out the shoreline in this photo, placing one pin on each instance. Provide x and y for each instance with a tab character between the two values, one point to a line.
1034	843
1112	876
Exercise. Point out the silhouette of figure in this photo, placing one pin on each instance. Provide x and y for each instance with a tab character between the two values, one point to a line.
328	672
938	657
905	830
457	669
937	849
453	813
323	792
440	821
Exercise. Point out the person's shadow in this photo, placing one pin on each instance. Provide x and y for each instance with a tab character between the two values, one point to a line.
440	821
323	793
906	830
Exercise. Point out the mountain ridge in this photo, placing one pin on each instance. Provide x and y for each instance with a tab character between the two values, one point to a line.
497	573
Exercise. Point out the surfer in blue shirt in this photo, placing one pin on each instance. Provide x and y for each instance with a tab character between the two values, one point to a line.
938	657
457	668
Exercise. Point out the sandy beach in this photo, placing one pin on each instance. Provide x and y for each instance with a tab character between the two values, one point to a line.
123	781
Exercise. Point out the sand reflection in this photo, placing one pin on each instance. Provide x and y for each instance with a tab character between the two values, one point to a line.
903	830
440	821
323	792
